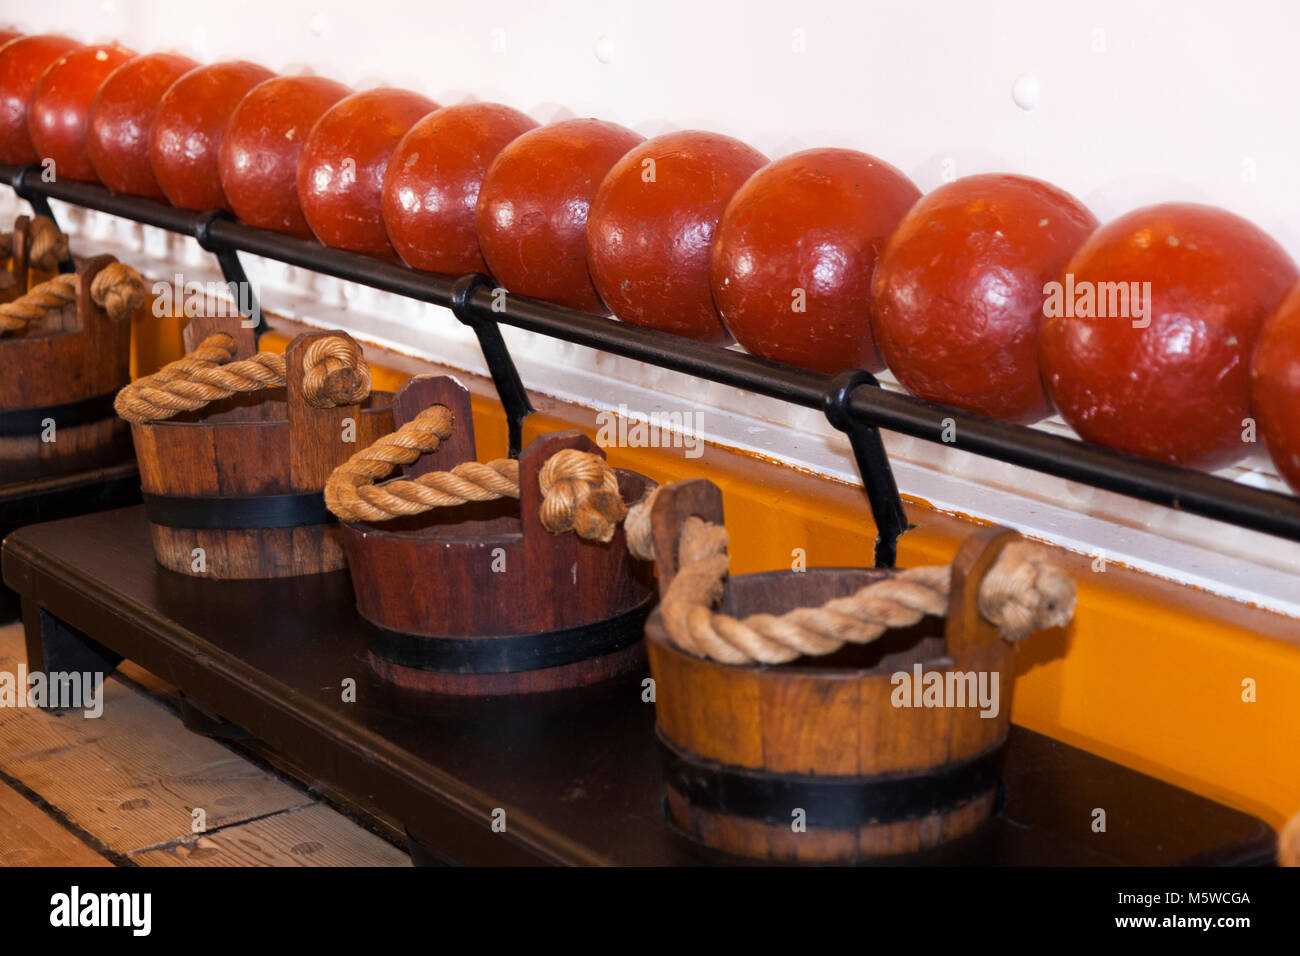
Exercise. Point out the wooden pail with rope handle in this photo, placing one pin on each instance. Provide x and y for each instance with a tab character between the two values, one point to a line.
832	732
64	353
484	578
234	446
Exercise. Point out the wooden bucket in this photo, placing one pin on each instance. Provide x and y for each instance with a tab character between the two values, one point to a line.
480	598
811	761
233	490
58	377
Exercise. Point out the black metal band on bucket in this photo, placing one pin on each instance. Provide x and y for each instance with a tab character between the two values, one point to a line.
511	653
839	802
31	421
237	514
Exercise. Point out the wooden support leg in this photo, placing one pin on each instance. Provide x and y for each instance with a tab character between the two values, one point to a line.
55	647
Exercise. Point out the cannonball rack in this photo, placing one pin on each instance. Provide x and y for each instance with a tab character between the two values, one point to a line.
92	594
853	401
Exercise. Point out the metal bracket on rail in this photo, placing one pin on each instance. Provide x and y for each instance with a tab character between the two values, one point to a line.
872	461
510	389
40	204
232	270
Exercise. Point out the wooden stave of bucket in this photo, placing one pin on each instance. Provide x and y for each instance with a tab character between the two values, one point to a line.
256	444
505	622
780	731
18	280
65	368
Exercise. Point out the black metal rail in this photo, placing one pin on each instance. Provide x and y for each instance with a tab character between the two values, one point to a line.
853	402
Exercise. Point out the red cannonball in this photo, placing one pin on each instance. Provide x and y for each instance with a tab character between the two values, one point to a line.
431	186
1176	390
7	36
120	117
650	229
958	292
792	262
341	168
57	113
261	145
22	61
532	208
1275	387
185	141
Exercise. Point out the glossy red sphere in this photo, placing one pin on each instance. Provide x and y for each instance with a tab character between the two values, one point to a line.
792	261
56	116
532	208
120	117
22	61
185	142
1170	382
958	291
432	183
261	146
650	229
341	168
1275	387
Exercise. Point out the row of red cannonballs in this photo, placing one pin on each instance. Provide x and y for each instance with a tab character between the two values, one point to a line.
826	259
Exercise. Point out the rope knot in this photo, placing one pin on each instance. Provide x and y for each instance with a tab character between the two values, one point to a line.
580	493
1025	592
335	373
47	246
118	289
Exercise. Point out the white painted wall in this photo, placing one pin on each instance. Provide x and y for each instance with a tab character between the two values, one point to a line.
1139	102
1136	102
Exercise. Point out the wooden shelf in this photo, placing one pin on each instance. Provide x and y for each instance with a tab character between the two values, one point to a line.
31	499
577	772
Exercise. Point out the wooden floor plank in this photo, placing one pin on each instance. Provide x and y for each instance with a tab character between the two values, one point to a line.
311	836
11	642
350	805
31	837
134	777
131	779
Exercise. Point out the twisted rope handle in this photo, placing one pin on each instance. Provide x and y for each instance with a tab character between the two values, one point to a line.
46	245
335	373
579	489
117	289
1022	593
